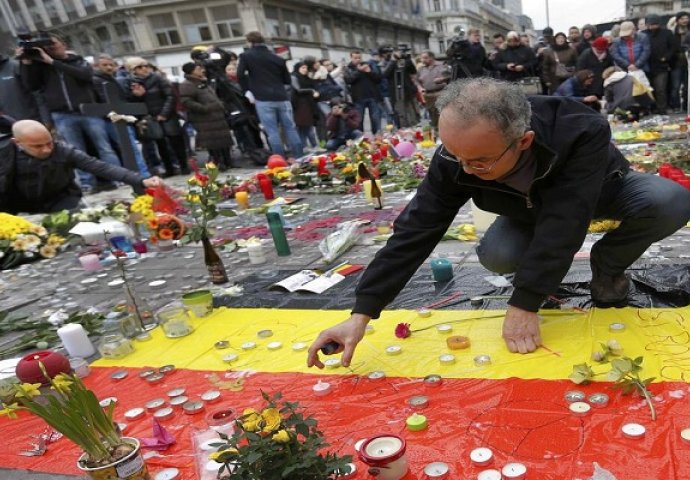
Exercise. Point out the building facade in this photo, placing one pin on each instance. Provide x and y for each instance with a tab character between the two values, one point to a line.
446	17
164	31
640	8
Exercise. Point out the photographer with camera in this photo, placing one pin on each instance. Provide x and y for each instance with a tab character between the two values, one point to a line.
467	57
432	77
399	69
65	81
363	79
342	124
16	100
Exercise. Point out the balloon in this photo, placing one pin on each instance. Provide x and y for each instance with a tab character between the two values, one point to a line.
406	149
275	161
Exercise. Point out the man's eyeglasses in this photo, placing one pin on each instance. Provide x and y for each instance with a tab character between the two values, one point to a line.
482	166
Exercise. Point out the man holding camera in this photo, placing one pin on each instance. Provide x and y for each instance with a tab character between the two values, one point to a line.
432	77
399	70
467	57
65	81
342	124
363	81
15	100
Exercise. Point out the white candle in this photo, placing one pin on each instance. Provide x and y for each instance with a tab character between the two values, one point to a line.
481	456
685	435
75	340
514	471
633	430
322	388
579	408
444	328
490	474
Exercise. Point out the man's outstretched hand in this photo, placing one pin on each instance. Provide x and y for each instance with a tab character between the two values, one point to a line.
152	182
347	334
521	330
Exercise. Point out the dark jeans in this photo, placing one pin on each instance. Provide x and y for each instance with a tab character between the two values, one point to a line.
650	208
679	78
374	113
335	143
659	82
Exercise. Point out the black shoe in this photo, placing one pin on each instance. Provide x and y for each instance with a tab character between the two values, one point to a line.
609	290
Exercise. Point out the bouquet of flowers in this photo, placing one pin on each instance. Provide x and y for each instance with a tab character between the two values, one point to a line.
165	227
21	241
277	443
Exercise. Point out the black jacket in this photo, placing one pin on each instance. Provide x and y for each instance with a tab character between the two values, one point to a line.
663	49
263	73
15	99
575	157
409	90
100	80
363	85
65	84
588	60
28	184
159	97
520	55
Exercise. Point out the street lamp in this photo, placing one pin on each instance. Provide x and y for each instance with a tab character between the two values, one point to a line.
548	22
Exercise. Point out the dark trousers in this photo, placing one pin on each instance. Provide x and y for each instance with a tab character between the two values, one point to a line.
659	82
650	208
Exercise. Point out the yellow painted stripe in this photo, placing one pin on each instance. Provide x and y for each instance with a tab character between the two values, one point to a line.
661	336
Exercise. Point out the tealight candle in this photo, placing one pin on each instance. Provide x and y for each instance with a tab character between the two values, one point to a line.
163	413
424	313
248	345
299	346
134	413
433	380
166	369
193	407
458	342
359	443
416	422
264	333
573	396
221	345
436	470
482	360
179	401
444	328
418	402
155	378
377	375
230	357
322	388
616	327
116	283
168	474
352	469
490	474
447	359
685	435
598	400
155	404
210	396
579	408
514	471
394	350
332	362
176	392
119	375
146	373
633	430
105	403
157	284
274	346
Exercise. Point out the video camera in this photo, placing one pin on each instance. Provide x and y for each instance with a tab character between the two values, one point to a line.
202	56
30	44
459	45
404	50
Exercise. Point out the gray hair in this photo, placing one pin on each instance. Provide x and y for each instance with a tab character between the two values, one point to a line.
501	103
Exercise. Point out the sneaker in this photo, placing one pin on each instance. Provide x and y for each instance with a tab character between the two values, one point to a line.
608	289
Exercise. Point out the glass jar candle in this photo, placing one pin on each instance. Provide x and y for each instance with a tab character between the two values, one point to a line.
114	346
175	322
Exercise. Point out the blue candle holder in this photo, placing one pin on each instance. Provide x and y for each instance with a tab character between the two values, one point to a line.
442	269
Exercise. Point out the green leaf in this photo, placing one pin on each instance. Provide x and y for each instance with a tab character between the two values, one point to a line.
227	212
638	361
302	429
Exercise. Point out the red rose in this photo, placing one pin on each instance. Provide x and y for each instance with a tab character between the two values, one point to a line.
403	330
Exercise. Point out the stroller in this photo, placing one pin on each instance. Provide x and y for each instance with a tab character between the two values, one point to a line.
243	121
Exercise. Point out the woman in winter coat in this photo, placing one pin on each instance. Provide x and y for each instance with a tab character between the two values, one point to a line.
304	100
144	85
597	59
625	93
576	87
206	112
559	62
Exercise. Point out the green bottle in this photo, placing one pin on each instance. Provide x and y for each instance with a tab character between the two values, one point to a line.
278	233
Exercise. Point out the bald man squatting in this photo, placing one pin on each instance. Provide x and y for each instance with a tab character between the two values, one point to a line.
37	174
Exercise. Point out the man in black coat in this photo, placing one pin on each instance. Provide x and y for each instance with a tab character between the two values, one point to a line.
664	46
516	61
15	99
547	166
65	81
37	173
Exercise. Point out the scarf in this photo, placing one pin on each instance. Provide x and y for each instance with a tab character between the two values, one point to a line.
600	54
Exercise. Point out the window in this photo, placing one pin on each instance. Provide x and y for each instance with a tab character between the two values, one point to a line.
111	3
89	6
667	6
165	29
103	34
685	4
290	24
272	21
437	6
305	29
195	26
128	46
442	45
439	26
227	21
326	31
51	9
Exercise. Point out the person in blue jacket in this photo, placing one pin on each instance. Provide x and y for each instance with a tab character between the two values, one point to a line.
577	86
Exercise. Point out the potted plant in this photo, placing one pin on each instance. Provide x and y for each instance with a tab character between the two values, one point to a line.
277	443
73	410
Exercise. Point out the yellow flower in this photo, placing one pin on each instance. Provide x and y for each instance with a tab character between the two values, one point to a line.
272	419
61	383
192	181
47	251
193	198
20	245
347	169
221	456
211	166
283	175
282	436
55	240
38	230
9	410
28	390
250	420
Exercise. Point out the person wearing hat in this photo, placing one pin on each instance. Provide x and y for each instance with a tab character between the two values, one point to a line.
631	50
597	59
589	34
516	61
206	113
559	62
663	51
540	50
679	64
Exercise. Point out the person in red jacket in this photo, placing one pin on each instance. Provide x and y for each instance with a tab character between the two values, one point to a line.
342	124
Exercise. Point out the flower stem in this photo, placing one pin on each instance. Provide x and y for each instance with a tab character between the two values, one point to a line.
648	397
